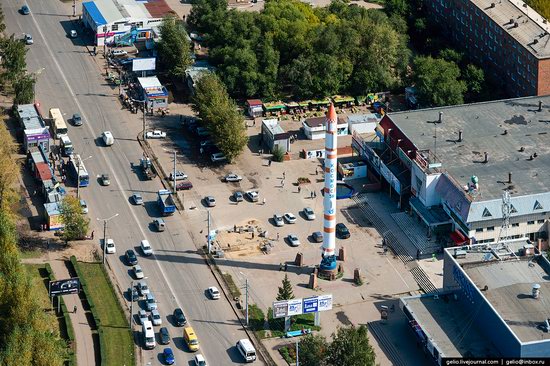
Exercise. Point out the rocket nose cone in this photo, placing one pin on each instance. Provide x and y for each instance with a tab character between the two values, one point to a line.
331	114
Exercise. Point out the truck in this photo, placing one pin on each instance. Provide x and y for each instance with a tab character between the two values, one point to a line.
166	202
147	167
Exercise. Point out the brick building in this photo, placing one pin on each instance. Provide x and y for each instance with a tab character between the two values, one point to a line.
508	38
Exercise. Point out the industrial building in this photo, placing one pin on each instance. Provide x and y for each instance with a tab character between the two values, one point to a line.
508	38
450	166
494	303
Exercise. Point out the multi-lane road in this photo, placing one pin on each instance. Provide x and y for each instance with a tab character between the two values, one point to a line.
178	277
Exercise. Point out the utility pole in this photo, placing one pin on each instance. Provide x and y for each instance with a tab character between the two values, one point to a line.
74	8
297	355
77	178
144	111
175	190
246	300
105	234
208	237
131	303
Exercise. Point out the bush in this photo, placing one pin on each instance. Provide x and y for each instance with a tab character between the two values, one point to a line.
256	317
278	154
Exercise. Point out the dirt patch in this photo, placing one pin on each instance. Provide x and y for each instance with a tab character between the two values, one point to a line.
243	240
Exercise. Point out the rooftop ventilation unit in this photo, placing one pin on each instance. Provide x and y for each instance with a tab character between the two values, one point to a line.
536	291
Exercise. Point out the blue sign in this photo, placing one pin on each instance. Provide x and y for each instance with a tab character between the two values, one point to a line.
311	305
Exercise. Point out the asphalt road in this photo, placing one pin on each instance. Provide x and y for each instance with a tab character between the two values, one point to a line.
178	277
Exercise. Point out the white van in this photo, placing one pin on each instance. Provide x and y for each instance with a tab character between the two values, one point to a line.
246	349
148	335
108	138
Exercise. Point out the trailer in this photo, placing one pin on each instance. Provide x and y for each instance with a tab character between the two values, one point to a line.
166	202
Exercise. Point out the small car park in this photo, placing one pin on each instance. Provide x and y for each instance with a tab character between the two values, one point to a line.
289	218
179	318
210	201
232	177
164	336
146	248
156	134
293	240
137	199
342	231
308	212
131	258
214	293
138	272
110	246
77	120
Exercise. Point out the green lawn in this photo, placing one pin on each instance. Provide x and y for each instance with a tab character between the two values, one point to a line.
117	345
39	274
27	254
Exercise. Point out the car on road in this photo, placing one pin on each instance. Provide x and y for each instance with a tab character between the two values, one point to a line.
308	212
143	288
156	134
184	186
253	196
289	218
108	138
150	302
105	181
28	39
159	224
210	201
133	294
217	157
191	339
118	53
146	248
164	336
293	240
199	360
157	319
111	248
278	220
73	33
232	177
214	293
238	196
77	120
142	315
137	199
84	206
179	175
168	356
131	257
138	272
179	318
317	237
25	10
342	231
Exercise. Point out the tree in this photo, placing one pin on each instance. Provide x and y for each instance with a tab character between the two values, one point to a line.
451	55
13	56
8	168
76	224
174	49
541	6
350	347
474	78
285	291
2	18
437	82
278	154
23	87
313	350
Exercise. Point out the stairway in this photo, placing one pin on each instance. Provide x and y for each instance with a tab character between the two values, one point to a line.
385	344
423	280
415	233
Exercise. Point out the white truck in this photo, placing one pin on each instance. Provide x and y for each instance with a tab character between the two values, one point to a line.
148	335
156	134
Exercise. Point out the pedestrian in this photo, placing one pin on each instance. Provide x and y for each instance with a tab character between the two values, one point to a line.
314	194
283	183
299	189
254	123
284	175
311	194
316	171
270	161
234	228
253	235
277	236
74	309
92	236
264	200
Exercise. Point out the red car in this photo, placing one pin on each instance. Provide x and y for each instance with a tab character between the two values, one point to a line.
185	185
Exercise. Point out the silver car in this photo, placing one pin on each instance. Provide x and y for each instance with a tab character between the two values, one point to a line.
278	220
293	240
210	201
157	319
310	215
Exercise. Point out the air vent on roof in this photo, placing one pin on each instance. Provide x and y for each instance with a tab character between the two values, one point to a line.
486	213
524	5
535	41
513	209
492	5
536	291
516	24
537	206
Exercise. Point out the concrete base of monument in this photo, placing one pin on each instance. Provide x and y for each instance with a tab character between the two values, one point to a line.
330	269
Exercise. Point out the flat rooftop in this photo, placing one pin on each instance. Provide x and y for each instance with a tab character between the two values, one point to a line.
531	31
500	128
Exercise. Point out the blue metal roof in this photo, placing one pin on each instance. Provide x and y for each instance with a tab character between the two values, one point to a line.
94	12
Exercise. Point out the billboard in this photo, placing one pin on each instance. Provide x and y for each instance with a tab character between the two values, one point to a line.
144	64
294	307
311	305
280	309
325	302
283	309
65	287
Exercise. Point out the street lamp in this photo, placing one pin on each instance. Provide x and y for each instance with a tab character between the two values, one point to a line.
36	73
174	174
78	162
105	233
144	111
246	297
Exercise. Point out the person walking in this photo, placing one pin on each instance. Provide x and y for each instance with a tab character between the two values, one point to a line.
92	236
299	189
74	309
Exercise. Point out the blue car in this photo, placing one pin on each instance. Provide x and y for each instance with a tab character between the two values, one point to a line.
168	356
25	10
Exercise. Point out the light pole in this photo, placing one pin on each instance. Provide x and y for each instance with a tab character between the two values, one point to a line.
36	73
144	111
78	162
105	234
246	297
74	8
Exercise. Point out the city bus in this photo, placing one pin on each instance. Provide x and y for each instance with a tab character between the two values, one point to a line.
59	127
76	165
66	145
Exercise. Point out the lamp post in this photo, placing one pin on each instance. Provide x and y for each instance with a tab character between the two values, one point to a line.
144	111
105	234
246	297
78	162
74	8
36	73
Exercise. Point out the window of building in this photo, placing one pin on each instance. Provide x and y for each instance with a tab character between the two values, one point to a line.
540	221
114	27
491	228
479	230
530	222
515	225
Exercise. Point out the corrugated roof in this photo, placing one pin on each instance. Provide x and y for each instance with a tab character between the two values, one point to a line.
159	8
44	172
109	10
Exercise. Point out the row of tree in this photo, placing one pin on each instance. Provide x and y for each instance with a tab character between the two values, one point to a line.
541	6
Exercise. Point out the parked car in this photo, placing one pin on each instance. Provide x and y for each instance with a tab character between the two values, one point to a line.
108	138
138	272
164	336
310	215
342	231
133	294
155	316
210	201
143	288
84	206
131	258
159	224
184	186
118	53
217	157
142	315
168	355
179	175
232	177
278	219
238	196
105	181
150	302
214	293
317	237
179	317
253	196
138	200
156	134
25	10
73	33
290	218
77	120
293	240
199	360
28	39
146	248
111	248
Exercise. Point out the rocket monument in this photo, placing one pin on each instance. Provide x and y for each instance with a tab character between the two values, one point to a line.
328	259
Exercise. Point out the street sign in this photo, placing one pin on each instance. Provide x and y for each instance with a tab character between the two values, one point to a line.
280	309
308	305
65	287
294	307
311	305
325	302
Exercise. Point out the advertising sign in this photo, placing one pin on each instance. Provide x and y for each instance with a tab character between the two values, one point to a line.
143	64
280	309
65	287
325	302
311	305
294	307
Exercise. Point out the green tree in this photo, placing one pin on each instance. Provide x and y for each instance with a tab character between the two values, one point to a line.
451	55
474	78
23	86
351	347
2	18
13	56
278	154
8	168
541	6
75	223
285	291
313	350
174	49
399	7
437	82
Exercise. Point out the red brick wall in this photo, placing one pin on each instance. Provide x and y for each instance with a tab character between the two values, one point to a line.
386	123
543	85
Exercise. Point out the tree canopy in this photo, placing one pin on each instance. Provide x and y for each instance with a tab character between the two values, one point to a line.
75	222
541	6
174	48
285	291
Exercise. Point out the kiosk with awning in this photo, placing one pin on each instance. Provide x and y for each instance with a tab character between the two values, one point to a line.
274	108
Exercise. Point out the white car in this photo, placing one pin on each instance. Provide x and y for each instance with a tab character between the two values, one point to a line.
142	315
179	175
217	157
108	138
157	319
210	201
214	293
290	218
73	33
143	288
156	134
293	240
84	206
111	248
146	248
232	177
138	272
278	219
199	360
252	196
310	215
28	39
119	53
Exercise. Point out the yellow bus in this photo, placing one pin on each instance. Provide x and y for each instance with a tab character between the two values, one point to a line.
59	126
191	339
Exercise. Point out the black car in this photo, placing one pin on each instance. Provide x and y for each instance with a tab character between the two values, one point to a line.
342	231
179	318
131	258
164	336
133	294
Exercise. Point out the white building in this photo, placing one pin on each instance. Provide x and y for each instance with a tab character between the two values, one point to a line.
314	128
